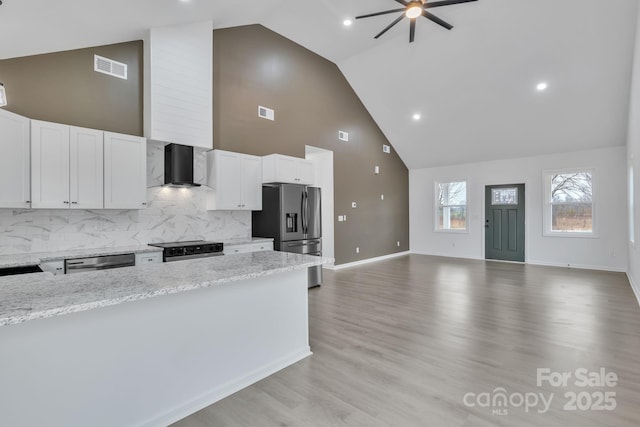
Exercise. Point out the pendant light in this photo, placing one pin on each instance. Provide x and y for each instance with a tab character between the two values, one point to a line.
3	96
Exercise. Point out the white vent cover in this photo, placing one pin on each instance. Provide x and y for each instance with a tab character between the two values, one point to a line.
110	67
266	113
386	148
343	136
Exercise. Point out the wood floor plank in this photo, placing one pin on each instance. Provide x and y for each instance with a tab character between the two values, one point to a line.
400	342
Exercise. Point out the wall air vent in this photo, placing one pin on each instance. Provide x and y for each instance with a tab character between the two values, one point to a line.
343	136
266	113
109	67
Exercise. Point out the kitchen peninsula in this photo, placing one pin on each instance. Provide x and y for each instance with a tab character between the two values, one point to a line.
147	345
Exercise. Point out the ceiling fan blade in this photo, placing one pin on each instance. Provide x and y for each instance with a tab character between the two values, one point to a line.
380	13
437	20
412	30
444	3
398	19
406	3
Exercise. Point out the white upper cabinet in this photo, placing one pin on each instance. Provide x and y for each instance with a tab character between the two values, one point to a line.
287	169
15	175
236	180
179	84
66	166
50	165
125	171
86	185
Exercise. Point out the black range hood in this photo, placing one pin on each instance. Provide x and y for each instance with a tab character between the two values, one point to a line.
178	166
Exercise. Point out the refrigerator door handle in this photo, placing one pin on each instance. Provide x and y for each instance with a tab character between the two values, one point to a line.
302	213
306	213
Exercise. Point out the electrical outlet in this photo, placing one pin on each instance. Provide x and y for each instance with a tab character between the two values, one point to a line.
345	217
340	218
343	136
386	149
354	205
382	197
376	170
357	250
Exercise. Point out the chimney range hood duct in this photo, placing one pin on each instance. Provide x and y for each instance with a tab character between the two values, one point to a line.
178	166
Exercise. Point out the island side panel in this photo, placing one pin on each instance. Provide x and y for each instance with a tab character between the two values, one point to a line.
154	361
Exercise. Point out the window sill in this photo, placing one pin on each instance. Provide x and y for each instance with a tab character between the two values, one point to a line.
452	231
578	235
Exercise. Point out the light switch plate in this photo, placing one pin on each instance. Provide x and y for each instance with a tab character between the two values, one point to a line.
376	170
382	197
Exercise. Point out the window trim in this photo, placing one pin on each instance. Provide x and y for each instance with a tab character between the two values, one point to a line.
631	205
546	204
436	205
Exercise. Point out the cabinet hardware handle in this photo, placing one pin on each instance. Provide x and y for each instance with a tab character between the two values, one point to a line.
144	204
74	203
28	201
66	202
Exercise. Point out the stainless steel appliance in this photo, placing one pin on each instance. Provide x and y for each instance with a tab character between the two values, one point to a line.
79	265
291	215
178	251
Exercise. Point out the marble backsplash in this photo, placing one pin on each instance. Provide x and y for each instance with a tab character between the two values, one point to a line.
172	214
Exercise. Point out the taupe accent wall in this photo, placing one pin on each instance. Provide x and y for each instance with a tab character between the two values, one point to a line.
62	87
312	101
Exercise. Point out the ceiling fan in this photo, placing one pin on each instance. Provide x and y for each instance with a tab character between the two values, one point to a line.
412	10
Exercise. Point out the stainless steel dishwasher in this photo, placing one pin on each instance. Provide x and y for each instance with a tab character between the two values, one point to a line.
79	265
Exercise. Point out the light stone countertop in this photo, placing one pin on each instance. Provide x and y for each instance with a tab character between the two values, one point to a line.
41	295
19	260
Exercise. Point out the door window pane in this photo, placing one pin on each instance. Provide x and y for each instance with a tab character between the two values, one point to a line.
504	196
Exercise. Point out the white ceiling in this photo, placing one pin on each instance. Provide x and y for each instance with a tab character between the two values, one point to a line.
474	86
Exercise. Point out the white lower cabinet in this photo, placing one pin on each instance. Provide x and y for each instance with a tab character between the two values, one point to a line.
66	166
15	175
236	180
125	171
248	247
55	267
149	258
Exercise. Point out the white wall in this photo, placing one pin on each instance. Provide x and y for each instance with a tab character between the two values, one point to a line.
633	157
608	251
323	161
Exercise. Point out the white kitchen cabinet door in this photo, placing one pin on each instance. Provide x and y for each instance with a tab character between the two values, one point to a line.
286	169
252	183
15	168
236	180
49	165
86	168
125	171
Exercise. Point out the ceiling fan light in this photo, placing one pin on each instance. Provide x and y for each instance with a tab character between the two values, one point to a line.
3	96
413	11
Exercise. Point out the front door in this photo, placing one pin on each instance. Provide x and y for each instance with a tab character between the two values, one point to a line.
504	222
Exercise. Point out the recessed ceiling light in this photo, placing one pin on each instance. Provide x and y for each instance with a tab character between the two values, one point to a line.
542	86
347	22
417	116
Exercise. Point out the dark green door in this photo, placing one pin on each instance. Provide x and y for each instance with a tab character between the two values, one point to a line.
504	222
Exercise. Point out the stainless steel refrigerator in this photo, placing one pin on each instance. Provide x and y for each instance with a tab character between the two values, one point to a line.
291	215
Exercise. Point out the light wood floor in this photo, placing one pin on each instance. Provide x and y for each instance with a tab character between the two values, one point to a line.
400	343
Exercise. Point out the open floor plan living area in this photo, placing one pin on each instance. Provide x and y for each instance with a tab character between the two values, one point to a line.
402	213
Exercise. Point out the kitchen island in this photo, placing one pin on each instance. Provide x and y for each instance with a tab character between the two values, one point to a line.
146	346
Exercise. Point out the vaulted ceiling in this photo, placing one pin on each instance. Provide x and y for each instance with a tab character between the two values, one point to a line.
474	86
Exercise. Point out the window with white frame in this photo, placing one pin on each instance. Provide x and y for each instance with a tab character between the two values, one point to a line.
632	208
451	206
569	208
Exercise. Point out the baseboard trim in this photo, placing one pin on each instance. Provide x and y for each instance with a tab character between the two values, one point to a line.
579	266
634	287
218	393
366	261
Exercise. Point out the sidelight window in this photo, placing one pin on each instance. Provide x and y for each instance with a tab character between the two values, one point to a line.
451	206
569	208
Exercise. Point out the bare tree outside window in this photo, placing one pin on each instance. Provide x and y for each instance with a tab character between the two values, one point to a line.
571	202
451	210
